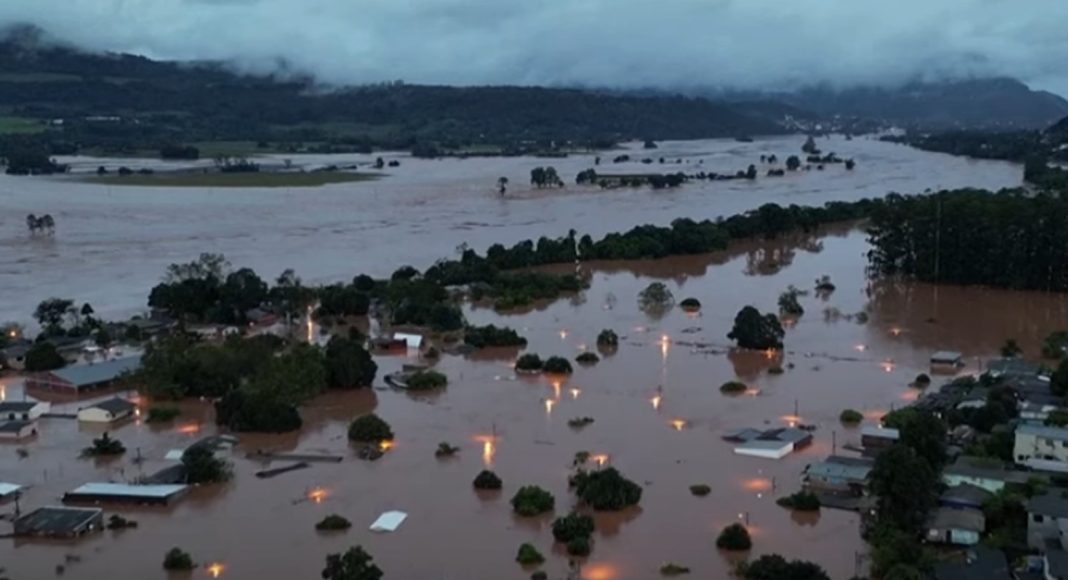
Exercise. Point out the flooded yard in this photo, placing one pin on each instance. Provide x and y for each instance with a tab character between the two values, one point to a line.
657	409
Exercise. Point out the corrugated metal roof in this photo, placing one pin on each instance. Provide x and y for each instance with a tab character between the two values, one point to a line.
957	519
101	372
8	488
114	405
884	432
836	470
1049	504
125	490
1054	433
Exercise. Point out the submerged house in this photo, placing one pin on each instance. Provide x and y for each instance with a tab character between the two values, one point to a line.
956	526
109	411
23	410
947	358
964	495
838	475
874	439
80	378
60	522
16	430
770	444
123	493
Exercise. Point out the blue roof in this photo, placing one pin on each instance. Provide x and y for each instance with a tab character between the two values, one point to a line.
96	373
833	469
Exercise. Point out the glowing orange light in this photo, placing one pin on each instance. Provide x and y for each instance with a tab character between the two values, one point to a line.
556	387
910	395
752	391
575	393
757	484
874	414
3	393
770	353
678	424
216	569
385	445
656	402
600	459
895	331
791	418
549	406
888	366
599	571
189	429
488	450
317	495
137	412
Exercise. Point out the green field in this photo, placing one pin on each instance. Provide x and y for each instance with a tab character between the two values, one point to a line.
214	179
20	125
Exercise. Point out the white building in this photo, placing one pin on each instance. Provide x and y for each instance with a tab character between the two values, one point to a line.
1041	447
16	430
23	410
107	411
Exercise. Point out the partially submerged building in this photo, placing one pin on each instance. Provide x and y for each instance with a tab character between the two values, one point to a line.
838	475
770	444
108	411
1041	447
23	410
78	379
60	522
124	493
16	430
947	359
875	439
964	495
8	491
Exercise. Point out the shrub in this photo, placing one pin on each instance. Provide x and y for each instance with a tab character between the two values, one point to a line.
734	537
557	365
671	569
656	297
572	526
755	330
775	567
427	380
104	446
490	335
176	559
445	450
824	284
333	522
801	501
529	362
354	564
606	489
579	547
162	414
486	479
528	555
922	380
732	387
201	466
608	339
776	370
691	304
579	422
587	358
117	522
370	429
851	417
539	575
700	489
789	303
532	500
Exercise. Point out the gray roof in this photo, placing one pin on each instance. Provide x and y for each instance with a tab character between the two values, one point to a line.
881	432
1049	504
1054	433
786	435
101	372
842	468
55	520
984	468
1057	563
115	406
965	493
17	406
957	519
14	426
17	350
1012	367
981	563
946	355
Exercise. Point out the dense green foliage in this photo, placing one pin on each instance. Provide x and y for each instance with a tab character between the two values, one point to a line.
104	446
800	501
572	526
756	331
775	567
580	547
490	335
789	303
370	429
690	304
606	489
177	560
655	297
587	358
1055	345
851	417
201	466
700	489
348	364
557	365
608	339
426	380
529	362
162	414
733	387
532	500
528	555
42	356
487	480
735	538
333	522
243	410
354	564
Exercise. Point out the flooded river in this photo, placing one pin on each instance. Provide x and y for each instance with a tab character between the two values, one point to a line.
658	411
113	243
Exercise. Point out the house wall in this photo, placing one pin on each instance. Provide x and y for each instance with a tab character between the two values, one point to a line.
953	536
1049	528
95	415
1040	452
991	485
25	432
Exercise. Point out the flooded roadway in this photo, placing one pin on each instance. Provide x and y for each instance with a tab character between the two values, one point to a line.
264	528
113	243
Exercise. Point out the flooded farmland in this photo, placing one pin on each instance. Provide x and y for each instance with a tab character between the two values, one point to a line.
658	411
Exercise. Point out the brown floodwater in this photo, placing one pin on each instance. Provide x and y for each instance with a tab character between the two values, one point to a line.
112	243
658	417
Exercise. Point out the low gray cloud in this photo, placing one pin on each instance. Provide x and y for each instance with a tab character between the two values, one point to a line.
622	43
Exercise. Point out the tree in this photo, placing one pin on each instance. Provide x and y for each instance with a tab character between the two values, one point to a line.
751	172
201	466
810	146
242	291
1058	381
370	429
532	500
775	567
572	526
426	380
906	485
293	377
789	303
104	446
606	489
50	313
348	364
756	331
354	564
608	339
922	431
102	338
333	522
735	538
177	560
43	356
487	480
793	162
248	410
556	365
528	555
529	362
502	185
656	298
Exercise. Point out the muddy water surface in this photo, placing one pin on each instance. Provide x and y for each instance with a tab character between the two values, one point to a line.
518	427
113	243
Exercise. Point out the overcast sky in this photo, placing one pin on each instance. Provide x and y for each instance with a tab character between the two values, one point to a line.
620	43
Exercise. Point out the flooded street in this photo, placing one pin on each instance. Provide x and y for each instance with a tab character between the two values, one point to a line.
113	243
264	528
659	415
